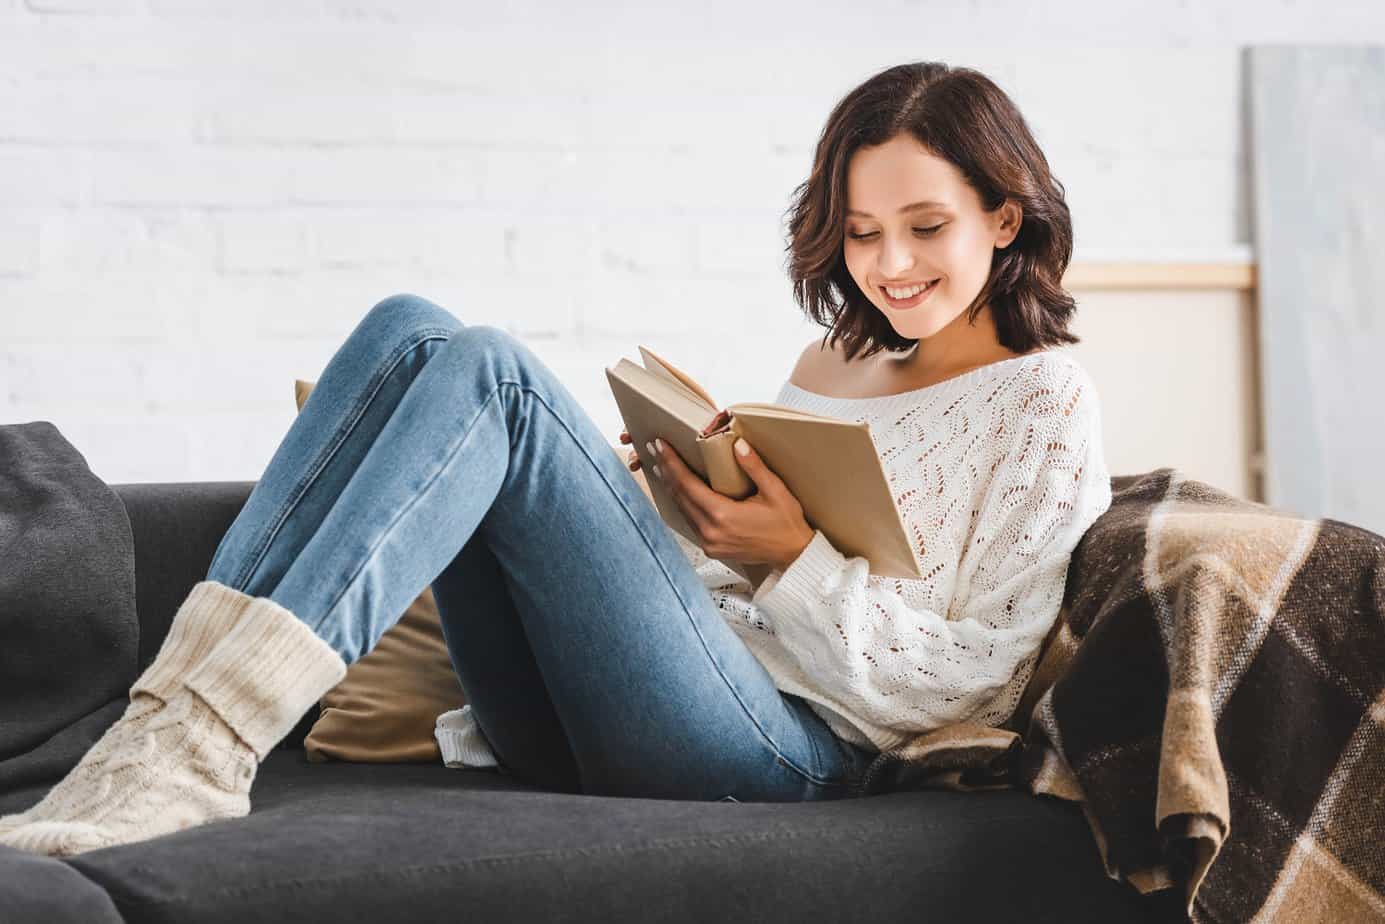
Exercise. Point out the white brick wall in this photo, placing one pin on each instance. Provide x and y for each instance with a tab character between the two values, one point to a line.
199	198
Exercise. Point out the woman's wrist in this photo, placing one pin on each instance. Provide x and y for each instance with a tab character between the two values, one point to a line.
796	550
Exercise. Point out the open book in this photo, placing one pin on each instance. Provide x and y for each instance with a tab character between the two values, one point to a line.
829	464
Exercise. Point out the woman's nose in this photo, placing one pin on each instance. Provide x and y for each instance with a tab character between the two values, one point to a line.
895	260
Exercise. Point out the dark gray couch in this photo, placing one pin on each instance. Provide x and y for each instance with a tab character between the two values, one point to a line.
420	842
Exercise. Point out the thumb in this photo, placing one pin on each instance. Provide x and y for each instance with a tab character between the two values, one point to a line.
755	467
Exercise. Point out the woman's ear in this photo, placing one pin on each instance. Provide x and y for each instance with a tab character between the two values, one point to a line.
1011	216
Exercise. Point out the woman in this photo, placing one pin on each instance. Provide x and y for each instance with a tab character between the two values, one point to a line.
600	652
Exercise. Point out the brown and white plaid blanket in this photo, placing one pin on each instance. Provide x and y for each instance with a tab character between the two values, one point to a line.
1211	696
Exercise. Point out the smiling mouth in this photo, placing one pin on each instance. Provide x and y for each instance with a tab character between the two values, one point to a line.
913	300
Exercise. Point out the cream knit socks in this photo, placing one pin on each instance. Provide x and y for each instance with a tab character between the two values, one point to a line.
234	675
206	616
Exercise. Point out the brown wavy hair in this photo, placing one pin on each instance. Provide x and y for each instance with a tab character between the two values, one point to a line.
960	115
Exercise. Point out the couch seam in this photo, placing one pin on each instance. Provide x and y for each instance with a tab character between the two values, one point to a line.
482	862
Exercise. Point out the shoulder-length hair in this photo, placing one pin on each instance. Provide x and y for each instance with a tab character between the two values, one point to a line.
958	114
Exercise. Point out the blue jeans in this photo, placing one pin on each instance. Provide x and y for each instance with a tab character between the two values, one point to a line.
432	452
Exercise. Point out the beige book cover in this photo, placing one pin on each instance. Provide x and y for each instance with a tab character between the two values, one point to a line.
829	464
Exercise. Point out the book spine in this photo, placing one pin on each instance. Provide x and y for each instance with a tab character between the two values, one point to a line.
724	473
719	423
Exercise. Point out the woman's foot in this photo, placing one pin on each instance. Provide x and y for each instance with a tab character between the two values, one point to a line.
192	758
83	776
181	766
207	615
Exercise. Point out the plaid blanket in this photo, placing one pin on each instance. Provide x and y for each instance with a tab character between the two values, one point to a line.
1211	696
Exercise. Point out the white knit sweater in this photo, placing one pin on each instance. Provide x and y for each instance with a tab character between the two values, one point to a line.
998	473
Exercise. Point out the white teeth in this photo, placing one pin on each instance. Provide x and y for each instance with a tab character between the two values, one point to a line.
906	293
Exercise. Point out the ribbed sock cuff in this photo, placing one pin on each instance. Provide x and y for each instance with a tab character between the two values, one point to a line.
265	674
206	616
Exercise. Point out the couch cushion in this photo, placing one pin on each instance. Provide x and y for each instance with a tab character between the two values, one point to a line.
47	890
364	842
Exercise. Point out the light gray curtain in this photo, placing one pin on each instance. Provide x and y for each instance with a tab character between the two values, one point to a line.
1317	135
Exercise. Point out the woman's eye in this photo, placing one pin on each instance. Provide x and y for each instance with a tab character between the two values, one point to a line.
862	237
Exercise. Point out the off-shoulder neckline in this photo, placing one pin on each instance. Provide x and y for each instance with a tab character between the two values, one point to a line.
970	376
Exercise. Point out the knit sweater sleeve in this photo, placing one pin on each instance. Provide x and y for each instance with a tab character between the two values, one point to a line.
728	590
461	740
912	669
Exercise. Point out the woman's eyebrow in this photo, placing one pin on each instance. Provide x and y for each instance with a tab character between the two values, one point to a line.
923	203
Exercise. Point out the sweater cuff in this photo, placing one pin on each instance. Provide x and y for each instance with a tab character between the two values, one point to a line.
797	592
461	741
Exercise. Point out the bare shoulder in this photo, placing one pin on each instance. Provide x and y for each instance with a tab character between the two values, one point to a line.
817	365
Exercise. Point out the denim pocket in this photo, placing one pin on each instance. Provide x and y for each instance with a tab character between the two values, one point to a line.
857	760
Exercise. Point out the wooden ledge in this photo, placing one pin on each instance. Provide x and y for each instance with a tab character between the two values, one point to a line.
1239	275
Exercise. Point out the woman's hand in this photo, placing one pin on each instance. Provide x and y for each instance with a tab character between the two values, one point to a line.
633	460
768	526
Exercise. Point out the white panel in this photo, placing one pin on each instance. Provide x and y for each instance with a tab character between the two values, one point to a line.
1318	135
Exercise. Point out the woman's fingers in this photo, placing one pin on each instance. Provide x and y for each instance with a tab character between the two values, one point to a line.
634	460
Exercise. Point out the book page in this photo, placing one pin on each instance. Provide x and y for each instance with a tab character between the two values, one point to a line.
662	367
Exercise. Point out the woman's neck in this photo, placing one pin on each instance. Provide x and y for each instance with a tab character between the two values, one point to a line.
957	348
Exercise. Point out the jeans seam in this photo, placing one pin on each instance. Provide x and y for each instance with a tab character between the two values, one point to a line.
813	739
774	748
849	777
840	748
325	458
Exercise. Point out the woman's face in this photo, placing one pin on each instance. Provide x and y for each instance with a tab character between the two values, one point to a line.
950	240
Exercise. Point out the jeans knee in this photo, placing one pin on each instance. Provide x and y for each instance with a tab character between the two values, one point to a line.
487	354
486	339
501	350
405	312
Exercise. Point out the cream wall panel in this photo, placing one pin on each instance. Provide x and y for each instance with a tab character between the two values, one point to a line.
1176	371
